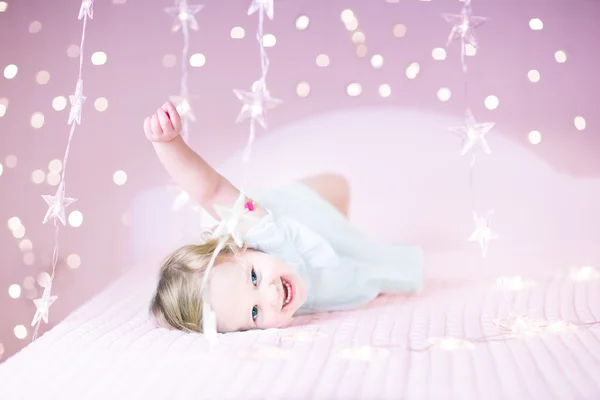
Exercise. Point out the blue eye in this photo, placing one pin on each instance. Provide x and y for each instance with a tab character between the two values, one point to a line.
254	278
254	313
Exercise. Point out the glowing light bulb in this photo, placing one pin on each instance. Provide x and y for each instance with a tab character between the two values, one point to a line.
256	109
585	273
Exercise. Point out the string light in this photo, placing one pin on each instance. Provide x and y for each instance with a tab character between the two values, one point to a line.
184	19
59	201
472	133
254	107
259	100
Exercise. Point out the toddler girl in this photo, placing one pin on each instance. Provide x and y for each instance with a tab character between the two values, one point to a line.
300	253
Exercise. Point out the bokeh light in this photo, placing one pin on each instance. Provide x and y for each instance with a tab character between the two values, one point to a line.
25	245
377	61
53	178
99	58
59	103
347	16
354	89
358	37
323	60
197	60
43	279
38	176
269	40
14	291
399	30
55	166
533	75
20	332
385	90
42	77
535	137
303	89
536	24
439	53
444	94
75	218
237	32
73	51
10	71
35	27
169	60
74	261
37	120
14	223
120	178
491	102
28	258
10	161
361	51
101	104
412	71
302	22
560	56
580	123
29	282
3	106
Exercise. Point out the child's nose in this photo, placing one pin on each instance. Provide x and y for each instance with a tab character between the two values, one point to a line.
273	295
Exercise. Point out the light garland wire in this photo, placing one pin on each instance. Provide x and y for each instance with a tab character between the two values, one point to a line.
472	133
58	202
474	136
184	16
255	104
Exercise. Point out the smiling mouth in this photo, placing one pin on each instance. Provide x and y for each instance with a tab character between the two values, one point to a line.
288	292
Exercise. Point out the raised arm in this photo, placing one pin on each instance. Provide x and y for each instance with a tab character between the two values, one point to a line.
191	172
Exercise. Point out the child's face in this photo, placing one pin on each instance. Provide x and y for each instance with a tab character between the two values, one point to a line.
255	291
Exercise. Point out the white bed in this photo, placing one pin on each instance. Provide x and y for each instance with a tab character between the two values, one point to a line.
109	347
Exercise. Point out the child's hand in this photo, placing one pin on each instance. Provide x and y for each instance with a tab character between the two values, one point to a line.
164	125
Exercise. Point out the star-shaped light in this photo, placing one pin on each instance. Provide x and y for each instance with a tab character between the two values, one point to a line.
232	220
87	8
184	14
182	104
57	204
256	103
76	100
473	134
209	323
482	233
265	6
464	25
42	305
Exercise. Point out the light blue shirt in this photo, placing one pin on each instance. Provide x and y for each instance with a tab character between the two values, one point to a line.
341	267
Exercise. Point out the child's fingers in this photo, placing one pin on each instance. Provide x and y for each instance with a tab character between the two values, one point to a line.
173	114
155	125
164	120
147	130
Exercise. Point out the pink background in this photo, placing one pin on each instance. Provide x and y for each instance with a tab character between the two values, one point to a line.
545	195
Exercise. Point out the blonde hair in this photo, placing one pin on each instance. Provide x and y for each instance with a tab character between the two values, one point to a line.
177	303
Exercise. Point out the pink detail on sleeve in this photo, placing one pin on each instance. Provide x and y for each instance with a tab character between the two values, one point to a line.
250	205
